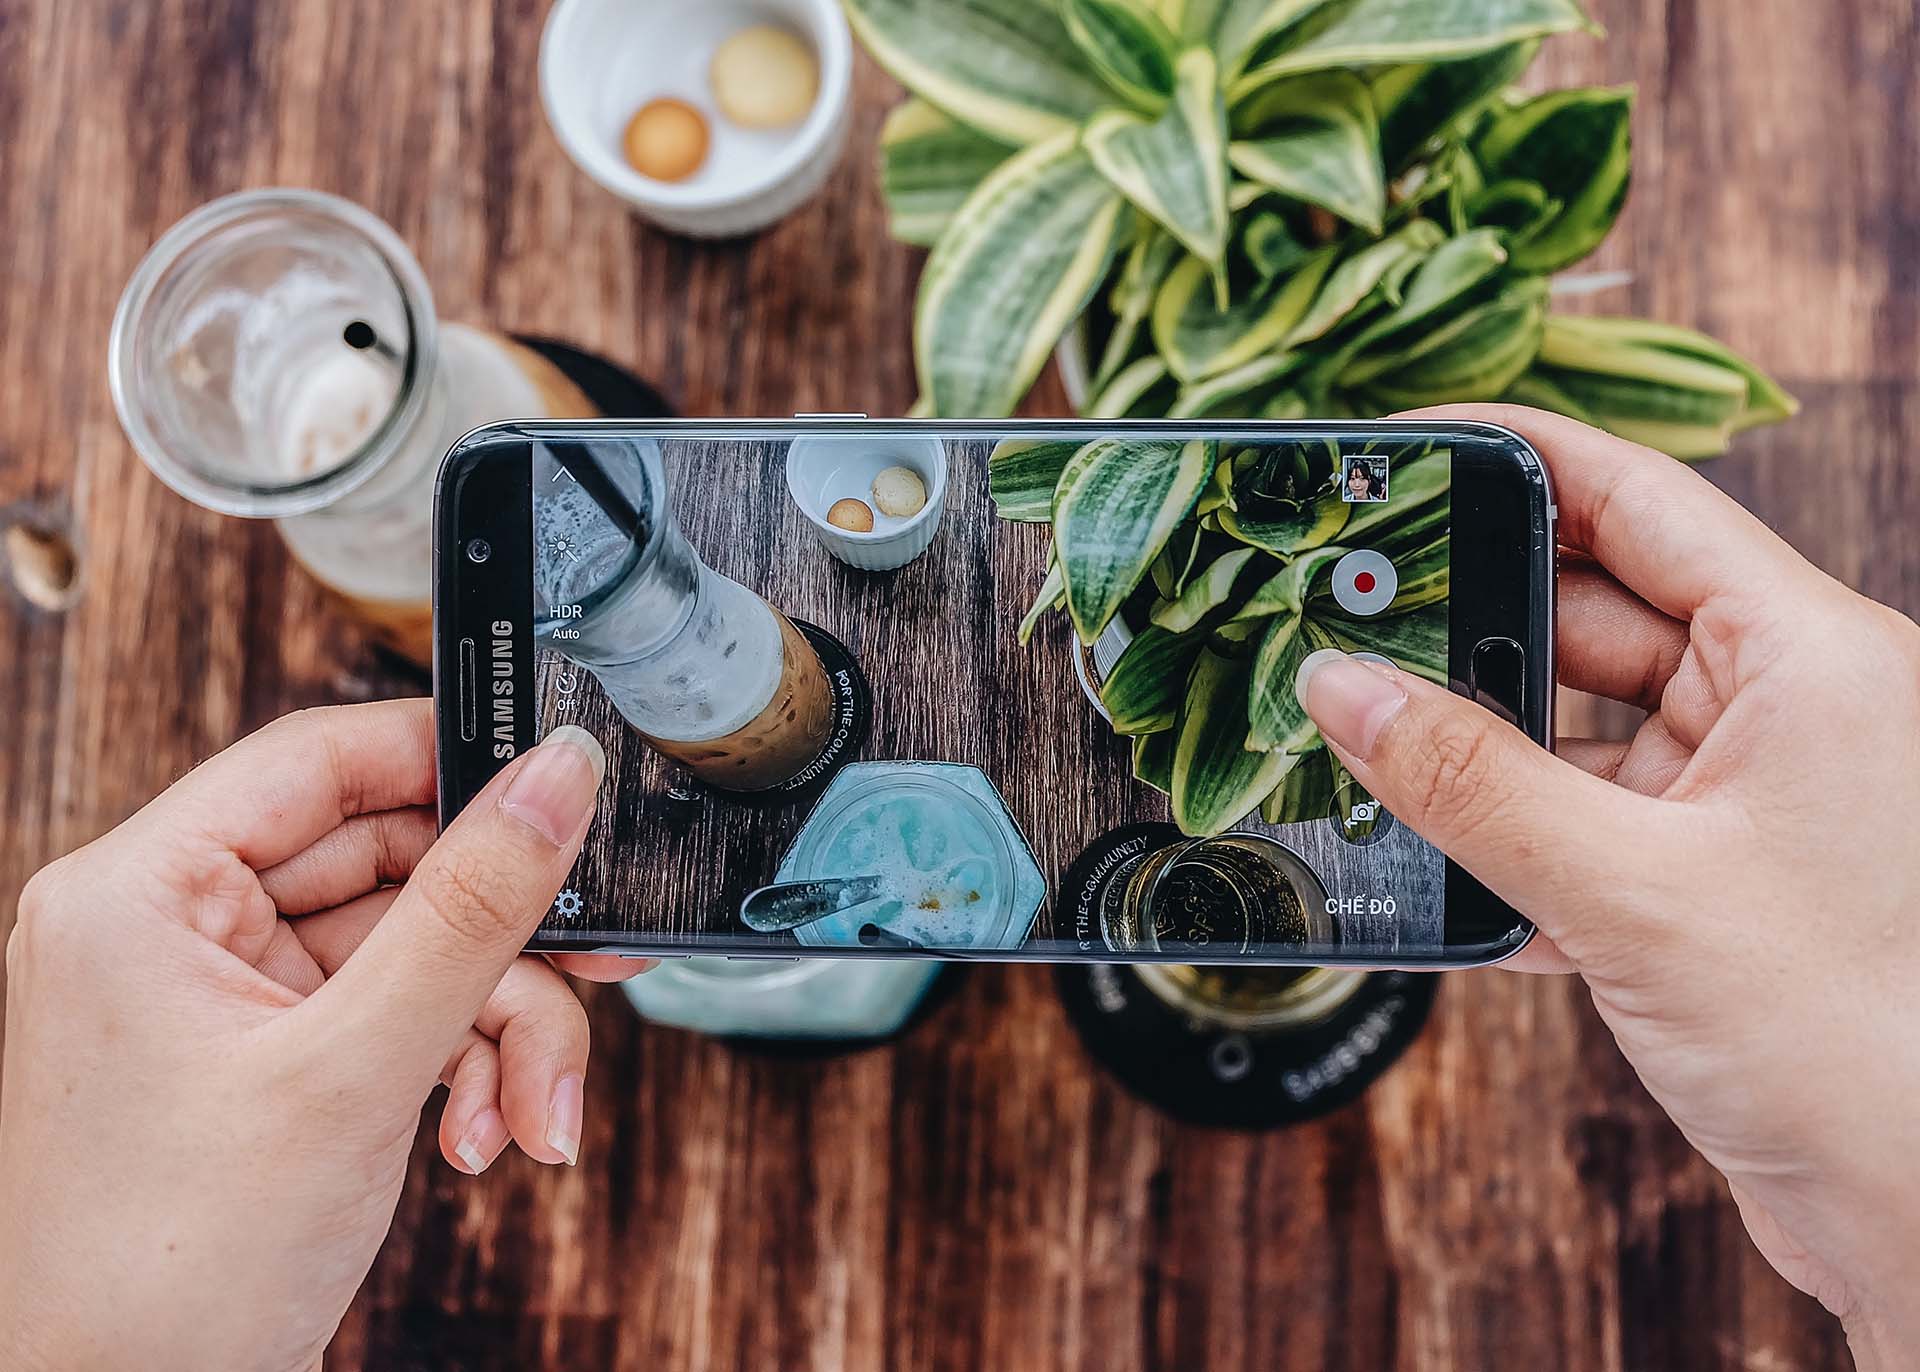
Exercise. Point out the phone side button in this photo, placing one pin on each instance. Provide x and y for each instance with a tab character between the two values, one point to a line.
469	693
1497	675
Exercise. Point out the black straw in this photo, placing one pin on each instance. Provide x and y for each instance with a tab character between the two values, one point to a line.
360	336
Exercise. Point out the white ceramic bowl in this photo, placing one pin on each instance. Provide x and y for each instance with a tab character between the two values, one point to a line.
823	468
600	60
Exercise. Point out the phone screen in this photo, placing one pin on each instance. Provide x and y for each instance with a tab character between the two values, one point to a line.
1016	758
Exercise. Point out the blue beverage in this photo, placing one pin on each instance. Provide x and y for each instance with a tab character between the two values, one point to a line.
955	870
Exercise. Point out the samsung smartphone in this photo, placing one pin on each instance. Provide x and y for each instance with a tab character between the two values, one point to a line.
850	660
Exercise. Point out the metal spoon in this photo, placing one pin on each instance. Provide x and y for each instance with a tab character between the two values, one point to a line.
790	904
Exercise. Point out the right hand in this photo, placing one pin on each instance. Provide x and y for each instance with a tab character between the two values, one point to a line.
1738	884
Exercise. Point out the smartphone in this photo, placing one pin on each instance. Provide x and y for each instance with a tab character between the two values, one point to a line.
881	731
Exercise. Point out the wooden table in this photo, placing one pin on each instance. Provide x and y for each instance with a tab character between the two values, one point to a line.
976	1195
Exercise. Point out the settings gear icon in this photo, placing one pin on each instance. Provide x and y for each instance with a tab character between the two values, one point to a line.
568	904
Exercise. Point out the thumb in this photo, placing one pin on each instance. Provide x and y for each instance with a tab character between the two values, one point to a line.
1543	835
414	986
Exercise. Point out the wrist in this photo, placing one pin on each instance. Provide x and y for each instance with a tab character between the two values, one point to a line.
1881	1341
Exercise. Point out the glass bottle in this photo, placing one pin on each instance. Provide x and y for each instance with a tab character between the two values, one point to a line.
276	355
708	672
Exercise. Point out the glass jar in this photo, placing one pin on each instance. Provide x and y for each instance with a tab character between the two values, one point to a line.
708	672
276	356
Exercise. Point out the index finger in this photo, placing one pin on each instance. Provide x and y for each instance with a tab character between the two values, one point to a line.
283	787
1663	530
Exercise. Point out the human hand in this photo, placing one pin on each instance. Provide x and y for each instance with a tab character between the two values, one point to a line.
1737	884
222	1020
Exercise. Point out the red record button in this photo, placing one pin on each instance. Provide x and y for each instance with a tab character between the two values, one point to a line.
1364	582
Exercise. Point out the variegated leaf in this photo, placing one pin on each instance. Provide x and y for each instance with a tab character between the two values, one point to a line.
1423	100
1205	593
1415	642
1314	138
1117	503
1173	168
1474	356
1575	145
1215	781
1051	596
1142	693
1128	43
1305	793
929	165
1008	68
1022	473
1013	270
1274	716
1372	33
1198	340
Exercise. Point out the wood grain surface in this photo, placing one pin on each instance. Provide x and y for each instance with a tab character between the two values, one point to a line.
976	1195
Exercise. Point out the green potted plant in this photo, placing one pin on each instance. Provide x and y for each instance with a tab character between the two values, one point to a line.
1259	208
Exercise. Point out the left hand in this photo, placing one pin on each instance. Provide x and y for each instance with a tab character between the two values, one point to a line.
224	1015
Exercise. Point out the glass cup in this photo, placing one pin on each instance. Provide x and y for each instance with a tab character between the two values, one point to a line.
708	672
1237	894
1252	999
276	356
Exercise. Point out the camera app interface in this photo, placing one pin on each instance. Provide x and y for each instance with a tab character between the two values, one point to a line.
898	689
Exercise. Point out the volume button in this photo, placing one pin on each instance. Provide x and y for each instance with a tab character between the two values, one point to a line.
469	693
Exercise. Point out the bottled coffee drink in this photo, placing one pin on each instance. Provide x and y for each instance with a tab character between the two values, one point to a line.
708	672
276	355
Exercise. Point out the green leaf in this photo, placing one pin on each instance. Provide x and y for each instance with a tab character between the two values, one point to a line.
1475	356
1449	274
1153	760
1013	270
929	165
1305	793
1315	139
1274	717
1574	144
1669	388
1415	642
1205	593
1128	44
1131	300
1286	592
1174	566
1173	168
1654	351
1359	274
1233	27
1117	503
1216	781
1008	68
1142	693
1424	100
1197	340
1371	33
1244	392
1218	491
1270	244
1133	390
1052	595
1021	475
1308	527
1425	577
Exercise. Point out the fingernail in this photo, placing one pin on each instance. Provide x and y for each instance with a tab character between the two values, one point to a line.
1351	701
486	1135
554	790
563	1118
